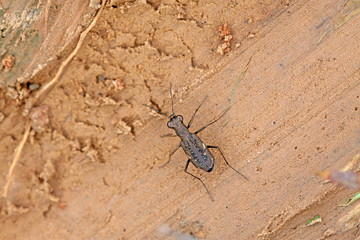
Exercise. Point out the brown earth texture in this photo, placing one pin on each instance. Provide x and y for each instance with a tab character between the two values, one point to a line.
94	163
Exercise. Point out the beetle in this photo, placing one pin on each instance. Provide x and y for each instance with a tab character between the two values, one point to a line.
195	149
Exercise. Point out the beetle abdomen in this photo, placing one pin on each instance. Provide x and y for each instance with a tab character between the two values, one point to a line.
197	152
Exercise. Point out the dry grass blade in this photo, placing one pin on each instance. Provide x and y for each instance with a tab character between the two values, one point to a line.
239	79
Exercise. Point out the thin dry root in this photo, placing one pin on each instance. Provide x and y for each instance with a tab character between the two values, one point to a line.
31	101
47	8
16	158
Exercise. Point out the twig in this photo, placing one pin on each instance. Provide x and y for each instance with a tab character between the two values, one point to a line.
31	101
16	158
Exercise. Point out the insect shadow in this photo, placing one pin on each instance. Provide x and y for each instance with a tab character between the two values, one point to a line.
197	152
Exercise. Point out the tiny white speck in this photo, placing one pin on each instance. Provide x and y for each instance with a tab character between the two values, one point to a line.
203	145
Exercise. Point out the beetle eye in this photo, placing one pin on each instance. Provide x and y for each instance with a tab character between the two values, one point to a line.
180	117
169	124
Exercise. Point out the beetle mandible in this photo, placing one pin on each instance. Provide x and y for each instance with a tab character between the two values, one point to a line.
195	149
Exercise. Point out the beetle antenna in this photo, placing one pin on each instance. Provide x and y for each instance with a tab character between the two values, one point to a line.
157	111
172	102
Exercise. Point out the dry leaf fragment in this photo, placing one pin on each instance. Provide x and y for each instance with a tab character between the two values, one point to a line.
314	220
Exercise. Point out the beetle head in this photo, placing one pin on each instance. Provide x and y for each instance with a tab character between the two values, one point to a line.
175	120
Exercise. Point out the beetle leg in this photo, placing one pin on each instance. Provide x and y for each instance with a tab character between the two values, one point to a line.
172	152
213	121
222	154
193	116
186	167
168	135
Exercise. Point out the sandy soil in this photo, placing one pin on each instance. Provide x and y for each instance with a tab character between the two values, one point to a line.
94	171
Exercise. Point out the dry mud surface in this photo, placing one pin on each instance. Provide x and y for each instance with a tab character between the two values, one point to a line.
95	171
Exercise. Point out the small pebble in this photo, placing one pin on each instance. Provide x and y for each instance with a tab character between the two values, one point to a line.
100	78
34	86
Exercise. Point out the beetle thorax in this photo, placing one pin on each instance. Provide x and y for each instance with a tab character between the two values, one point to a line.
178	126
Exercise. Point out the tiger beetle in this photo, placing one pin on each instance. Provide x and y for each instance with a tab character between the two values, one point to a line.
197	152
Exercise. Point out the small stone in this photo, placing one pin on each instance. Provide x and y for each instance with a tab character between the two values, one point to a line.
251	35
100	78
95	4
34	86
